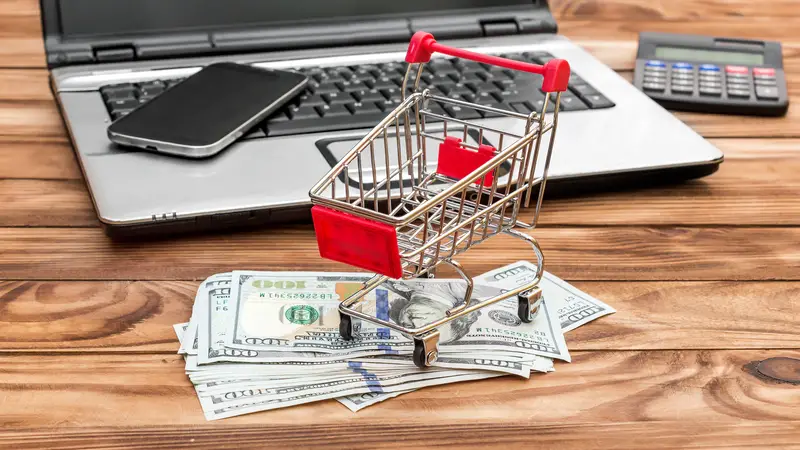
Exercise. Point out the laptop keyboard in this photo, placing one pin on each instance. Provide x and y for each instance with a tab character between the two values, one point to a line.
349	97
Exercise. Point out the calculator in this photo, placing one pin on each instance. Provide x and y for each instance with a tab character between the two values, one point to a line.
711	74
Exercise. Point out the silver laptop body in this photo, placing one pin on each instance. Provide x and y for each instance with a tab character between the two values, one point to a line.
266	179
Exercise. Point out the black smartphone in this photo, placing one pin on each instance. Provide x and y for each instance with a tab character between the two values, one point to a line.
208	111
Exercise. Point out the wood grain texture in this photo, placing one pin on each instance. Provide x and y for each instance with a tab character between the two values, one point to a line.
612	253
41	391
671	9
136	317
763	434
88	364
757	185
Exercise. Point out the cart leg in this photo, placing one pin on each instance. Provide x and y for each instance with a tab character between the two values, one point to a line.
426	349
345	326
430	274
530	303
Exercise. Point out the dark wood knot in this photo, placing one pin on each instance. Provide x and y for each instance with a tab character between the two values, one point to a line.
781	369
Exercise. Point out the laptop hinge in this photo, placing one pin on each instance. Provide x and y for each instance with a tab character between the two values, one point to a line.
125	52
499	27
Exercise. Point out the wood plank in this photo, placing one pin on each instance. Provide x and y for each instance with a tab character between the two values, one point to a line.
152	390
469	435
757	185
613	253
46	203
38	158
671	10
135	317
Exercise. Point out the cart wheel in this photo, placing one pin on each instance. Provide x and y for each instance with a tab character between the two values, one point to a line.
345	326
529	305
426	349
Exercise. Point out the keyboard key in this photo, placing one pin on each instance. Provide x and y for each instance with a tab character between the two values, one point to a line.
333	110
311	100
470	78
571	103
303	112
118	114
484	87
583	89
372	95
124	103
521	107
126	87
458	89
462	113
327	123
382	83
338	98
598	101
352	85
366	108
503	106
468	66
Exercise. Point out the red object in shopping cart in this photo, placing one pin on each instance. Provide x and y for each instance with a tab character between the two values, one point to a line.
383	208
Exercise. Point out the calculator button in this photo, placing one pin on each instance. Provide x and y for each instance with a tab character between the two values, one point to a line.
682	88
766	82
738	86
710	90
682	66
767	92
682	76
764	71
706	84
739	93
708	68
737	69
654	79
655	64
656	87
682	82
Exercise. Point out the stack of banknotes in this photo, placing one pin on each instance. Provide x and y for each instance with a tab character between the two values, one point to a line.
258	341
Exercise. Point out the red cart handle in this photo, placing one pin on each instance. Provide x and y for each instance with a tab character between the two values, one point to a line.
555	72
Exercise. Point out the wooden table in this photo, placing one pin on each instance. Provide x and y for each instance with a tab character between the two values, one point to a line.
704	275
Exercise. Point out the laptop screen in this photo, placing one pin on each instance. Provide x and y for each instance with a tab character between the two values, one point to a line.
103	17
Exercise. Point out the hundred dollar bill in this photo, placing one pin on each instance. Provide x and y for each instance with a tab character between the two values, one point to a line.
574	307
358	402
224	409
190	342
213	316
213	312
299	312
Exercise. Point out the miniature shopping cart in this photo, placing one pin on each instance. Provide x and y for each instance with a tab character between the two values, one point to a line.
383	208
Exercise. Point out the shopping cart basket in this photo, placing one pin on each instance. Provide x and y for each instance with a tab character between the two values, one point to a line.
384	209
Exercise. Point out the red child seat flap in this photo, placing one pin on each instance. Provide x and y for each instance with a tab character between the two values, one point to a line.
357	241
457	162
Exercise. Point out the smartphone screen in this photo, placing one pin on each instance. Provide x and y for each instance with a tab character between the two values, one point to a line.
208	110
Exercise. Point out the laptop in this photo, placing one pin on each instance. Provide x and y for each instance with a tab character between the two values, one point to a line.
107	57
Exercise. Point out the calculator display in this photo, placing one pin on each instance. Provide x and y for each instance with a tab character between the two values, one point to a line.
710	56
